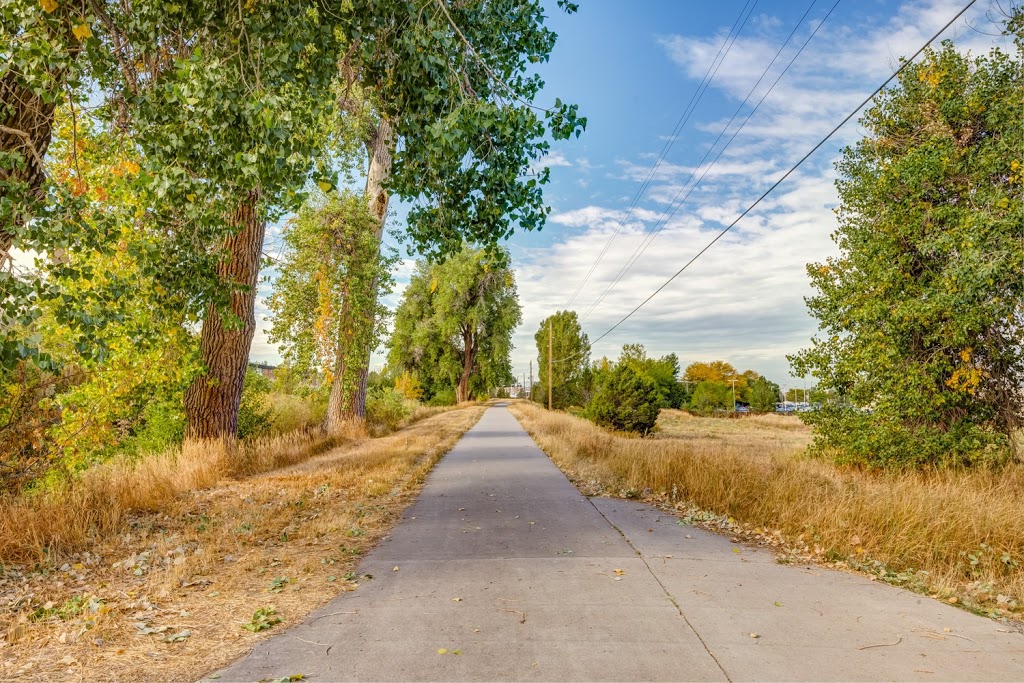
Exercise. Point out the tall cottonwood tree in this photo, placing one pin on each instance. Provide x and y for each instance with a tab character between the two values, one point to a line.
229	120
223	102
332	270
447	98
921	313
455	323
570	362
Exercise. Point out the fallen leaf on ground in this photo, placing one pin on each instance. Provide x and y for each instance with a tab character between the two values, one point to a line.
178	637
755	636
456	599
442	651
619	572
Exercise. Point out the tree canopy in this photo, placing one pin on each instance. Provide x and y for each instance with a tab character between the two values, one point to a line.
454	82
920	348
570	362
454	325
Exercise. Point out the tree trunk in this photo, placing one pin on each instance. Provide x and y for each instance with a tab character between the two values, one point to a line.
339	402
468	354
211	403
28	128
350	405
27	131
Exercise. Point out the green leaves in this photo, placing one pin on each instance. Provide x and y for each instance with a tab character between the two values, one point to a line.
457	86
263	619
570	362
921	313
457	317
626	400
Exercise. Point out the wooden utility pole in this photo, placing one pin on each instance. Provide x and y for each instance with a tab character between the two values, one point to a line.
529	392
550	345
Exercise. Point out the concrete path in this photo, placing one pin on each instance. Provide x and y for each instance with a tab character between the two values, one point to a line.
505	565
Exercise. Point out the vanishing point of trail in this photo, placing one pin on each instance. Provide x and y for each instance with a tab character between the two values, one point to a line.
508	570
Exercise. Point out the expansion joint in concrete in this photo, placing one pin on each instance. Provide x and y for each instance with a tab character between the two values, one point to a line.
671	598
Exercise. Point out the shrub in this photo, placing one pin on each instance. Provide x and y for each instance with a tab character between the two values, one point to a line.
445	397
253	412
763	395
627	401
290	412
709	396
408	384
386	408
163	427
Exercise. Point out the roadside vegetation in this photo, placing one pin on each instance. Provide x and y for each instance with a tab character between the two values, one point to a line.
158	164
178	563
951	534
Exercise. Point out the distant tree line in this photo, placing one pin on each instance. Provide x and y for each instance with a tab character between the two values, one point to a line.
628	393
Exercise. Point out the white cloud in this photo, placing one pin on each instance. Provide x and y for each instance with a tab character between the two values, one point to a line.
742	301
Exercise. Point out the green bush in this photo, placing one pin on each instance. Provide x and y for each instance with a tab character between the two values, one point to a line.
445	397
763	395
710	396
386	408
163	426
875	439
253	413
627	400
290	412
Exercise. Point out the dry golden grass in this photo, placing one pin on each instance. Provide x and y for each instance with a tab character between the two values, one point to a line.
70	517
172	549
962	527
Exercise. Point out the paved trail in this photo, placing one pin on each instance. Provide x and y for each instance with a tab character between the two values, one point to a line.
534	566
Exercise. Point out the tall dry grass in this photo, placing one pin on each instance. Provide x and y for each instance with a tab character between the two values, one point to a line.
962	527
72	515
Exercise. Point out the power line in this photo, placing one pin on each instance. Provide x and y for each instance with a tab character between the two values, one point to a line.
805	157
676	202
684	118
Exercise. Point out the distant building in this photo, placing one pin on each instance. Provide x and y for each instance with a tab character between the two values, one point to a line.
264	369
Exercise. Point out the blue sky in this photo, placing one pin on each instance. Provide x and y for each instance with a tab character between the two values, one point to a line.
633	67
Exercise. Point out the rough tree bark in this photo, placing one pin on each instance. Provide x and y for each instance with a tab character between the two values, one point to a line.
26	130
347	402
468	358
211	402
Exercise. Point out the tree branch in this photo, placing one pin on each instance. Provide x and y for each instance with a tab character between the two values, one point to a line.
28	143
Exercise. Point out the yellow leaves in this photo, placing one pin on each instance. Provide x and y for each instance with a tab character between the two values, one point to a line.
324	185
965	355
124	167
931	75
82	31
442	651
966	379
619	572
433	285
48	5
